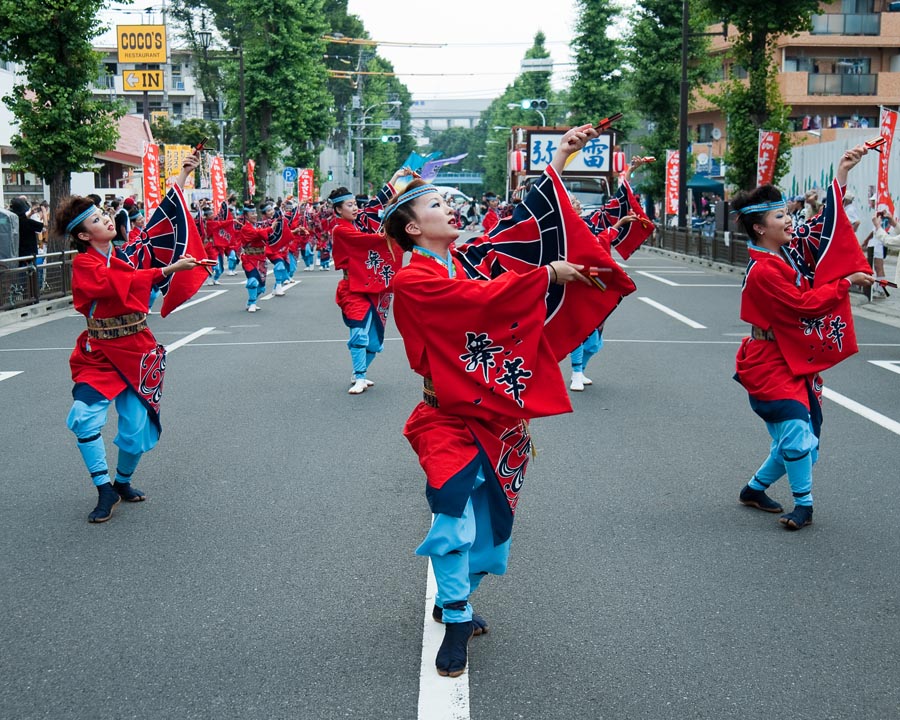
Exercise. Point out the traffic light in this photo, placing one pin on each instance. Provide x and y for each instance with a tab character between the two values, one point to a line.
534	104
390	138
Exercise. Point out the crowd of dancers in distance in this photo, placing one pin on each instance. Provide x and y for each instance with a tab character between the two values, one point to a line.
282	234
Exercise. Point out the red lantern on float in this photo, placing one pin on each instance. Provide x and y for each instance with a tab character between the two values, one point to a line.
517	161
618	161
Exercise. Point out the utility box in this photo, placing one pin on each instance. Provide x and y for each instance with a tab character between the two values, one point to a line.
9	234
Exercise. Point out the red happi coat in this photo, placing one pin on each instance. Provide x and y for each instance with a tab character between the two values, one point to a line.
224	234
490	221
369	261
136	361
805	321
802	297
278	242
484	347
490	340
366	258
631	236
253	237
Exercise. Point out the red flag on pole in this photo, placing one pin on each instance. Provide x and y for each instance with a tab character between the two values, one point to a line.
251	179
768	153
150	165
305	185
888	125
217	180
671	182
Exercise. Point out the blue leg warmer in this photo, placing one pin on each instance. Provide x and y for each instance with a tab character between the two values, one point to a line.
86	421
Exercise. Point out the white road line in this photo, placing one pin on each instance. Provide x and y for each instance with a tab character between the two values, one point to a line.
672	283
187	338
9	373
270	295
866	412
892	365
668	311
663	280
207	296
440	698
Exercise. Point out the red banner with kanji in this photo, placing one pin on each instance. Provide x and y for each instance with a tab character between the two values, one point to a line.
671	182
888	125
251	179
305	185
768	153
150	164
217	181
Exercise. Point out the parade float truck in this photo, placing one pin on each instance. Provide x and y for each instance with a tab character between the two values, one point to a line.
588	175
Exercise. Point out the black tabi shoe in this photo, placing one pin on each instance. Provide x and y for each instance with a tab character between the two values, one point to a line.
128	493
437	614
759	500
107	500
454	651
799	517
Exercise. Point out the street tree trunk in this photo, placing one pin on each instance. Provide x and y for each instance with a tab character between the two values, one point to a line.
60	188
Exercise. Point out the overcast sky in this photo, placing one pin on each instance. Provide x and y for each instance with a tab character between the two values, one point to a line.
483	42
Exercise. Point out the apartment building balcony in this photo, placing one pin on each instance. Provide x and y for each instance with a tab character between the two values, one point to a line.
841	84
846	24
807	88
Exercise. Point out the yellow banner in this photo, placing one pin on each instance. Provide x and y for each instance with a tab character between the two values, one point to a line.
174	157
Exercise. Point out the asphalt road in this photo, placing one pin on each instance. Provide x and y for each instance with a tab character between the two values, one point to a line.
271	573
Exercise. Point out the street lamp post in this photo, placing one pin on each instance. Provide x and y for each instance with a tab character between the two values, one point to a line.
360	131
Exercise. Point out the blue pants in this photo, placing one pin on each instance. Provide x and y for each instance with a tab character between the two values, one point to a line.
292	264
794	451
220	267
280	271
364	343
462	552
232	260
136	434
255	288
583	353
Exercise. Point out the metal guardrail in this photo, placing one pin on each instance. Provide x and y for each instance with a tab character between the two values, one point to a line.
30	279
703	242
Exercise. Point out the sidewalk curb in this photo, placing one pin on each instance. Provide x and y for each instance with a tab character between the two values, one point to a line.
38	310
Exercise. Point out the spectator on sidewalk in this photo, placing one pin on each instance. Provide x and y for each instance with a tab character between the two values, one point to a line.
29	229
886	233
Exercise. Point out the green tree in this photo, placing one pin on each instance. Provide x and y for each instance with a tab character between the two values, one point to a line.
286	101
654	85
189	132
757	105
60	126
598	83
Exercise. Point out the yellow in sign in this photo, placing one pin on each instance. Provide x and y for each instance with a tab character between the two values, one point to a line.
142	80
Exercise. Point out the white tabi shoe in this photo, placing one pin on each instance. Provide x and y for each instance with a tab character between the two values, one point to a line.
252	308
279	290
369	383
358	388
586	380
577	384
